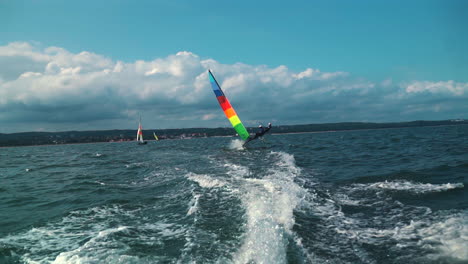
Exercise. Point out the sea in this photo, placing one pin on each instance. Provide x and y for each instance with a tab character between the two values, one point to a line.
365	196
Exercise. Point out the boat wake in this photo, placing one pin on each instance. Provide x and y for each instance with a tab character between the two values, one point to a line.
268	200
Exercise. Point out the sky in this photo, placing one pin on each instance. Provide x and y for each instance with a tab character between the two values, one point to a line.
86	65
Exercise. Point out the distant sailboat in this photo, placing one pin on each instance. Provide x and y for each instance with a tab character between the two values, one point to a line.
140	134
155	137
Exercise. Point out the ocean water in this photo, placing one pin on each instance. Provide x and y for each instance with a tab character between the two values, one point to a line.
376	196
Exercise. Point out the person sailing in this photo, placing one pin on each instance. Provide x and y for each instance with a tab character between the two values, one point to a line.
260	133
262	130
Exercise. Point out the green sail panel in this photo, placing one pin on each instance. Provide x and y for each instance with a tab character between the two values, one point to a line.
240	129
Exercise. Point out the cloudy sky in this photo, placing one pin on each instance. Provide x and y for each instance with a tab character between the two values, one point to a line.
98	65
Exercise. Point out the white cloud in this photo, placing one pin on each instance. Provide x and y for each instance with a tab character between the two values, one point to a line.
23	49
437	87
317	75
55	88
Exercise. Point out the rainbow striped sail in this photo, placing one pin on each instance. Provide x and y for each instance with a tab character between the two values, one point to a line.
227	108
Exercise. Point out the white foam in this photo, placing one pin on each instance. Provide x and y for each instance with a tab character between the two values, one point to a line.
449	237
164	229
109	257
287	161
410	186
270	200
193	205
135	164
97	245
237	171
236	144
344	199
205	181
269	203
88	236
444	233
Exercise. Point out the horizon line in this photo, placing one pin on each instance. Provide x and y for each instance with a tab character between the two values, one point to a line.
229	127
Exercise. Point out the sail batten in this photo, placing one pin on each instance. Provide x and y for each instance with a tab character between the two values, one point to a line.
227	108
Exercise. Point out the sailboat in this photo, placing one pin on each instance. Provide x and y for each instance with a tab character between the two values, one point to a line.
230	113
155	137
140	134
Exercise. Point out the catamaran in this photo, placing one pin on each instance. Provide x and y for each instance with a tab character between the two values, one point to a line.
140	134
231	114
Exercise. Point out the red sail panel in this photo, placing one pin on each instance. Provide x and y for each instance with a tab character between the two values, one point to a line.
224	102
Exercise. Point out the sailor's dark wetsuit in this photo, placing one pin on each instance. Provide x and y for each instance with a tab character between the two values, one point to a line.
259	133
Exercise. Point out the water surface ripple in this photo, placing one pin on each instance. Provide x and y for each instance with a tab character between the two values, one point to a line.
375	196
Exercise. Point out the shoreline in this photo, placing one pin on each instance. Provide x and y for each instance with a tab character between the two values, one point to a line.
233	136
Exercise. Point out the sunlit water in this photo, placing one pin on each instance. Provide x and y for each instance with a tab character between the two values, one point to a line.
377	196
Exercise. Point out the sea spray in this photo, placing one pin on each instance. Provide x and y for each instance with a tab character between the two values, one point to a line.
236	144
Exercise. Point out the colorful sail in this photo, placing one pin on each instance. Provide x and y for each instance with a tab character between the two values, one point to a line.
228	109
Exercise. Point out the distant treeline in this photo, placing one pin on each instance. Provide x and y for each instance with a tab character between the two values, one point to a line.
71	137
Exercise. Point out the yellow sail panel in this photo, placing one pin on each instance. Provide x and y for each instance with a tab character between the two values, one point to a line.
234	120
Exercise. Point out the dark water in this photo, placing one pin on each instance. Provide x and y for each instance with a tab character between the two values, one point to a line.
377	196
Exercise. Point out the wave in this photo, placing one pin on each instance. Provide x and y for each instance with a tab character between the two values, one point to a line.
438	238
269	201
409	186
95	235
448	236
406	232
193	205
135	165
268	198
205	181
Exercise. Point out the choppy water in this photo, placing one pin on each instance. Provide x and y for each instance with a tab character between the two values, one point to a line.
377	196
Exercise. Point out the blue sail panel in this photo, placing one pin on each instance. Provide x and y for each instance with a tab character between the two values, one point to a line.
218	93
215	85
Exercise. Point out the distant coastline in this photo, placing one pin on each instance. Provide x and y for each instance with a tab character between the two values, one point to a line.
124	135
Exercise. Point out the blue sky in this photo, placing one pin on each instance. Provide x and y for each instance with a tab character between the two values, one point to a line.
384	44
373	39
